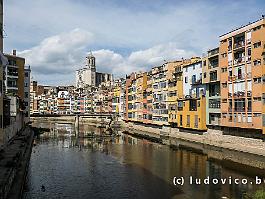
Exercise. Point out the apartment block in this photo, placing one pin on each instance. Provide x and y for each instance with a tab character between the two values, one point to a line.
242	77
141	101
148	95
211	78
160	105
14	75
174	89
118	97
27	93
64	102
131	98
191	108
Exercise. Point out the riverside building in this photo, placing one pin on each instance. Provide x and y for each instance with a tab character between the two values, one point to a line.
242	78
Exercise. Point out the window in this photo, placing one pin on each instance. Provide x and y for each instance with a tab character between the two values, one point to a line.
180	120
256	99
26	94
257	62
224	100
186	79
188	120
196	121
224	85
193	67
214	103
257	28
204	75
257	80
257	115
257	44
224	55
193	105
26	74
223	70
213	76
186	69
204	63
193	79
249	52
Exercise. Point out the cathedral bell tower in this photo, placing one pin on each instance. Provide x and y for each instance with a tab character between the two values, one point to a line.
91	62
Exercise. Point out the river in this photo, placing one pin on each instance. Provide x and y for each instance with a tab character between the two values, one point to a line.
64	166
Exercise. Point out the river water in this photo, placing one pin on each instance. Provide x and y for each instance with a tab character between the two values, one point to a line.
64	166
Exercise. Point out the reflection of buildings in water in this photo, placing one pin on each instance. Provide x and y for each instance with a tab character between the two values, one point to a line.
127	139
95	144
88	130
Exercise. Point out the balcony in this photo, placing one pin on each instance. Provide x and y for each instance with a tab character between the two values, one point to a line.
239	94
239	60
196	82
248	59
239	44
213	52
239	109
248	75
231	78
248	41
249	93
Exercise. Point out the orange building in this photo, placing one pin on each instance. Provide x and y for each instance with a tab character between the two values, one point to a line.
242	78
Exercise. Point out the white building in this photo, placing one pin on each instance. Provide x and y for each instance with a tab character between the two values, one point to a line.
88	76
27	93
192	80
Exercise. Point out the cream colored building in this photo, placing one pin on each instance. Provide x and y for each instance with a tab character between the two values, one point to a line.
88	76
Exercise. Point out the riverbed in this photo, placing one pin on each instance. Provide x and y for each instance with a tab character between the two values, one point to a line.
66	164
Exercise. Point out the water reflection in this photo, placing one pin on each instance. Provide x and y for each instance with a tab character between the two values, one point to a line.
120	167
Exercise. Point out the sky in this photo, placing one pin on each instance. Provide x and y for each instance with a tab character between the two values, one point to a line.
124	35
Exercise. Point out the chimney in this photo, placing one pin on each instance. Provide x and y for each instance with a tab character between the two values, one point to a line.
14	52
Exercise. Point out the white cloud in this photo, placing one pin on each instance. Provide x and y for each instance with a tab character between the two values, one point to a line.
59	54
56	58
141	60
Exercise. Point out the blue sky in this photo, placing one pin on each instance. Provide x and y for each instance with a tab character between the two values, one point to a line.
125	36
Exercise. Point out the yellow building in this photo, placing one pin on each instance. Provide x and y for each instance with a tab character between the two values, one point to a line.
116	97
149	99
191	103
15	75
191	113
174	87
140	101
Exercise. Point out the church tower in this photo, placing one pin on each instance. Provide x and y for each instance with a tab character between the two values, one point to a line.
91	62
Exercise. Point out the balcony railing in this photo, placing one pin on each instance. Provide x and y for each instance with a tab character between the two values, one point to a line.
239	94
239	109
239	60
199	81
213	52
239	44
248	41
248	58
249	93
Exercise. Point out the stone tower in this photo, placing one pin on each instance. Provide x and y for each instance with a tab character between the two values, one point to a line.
91	62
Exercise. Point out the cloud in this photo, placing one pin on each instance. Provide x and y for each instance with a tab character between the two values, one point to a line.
125	36
56	58
59	54
141	60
